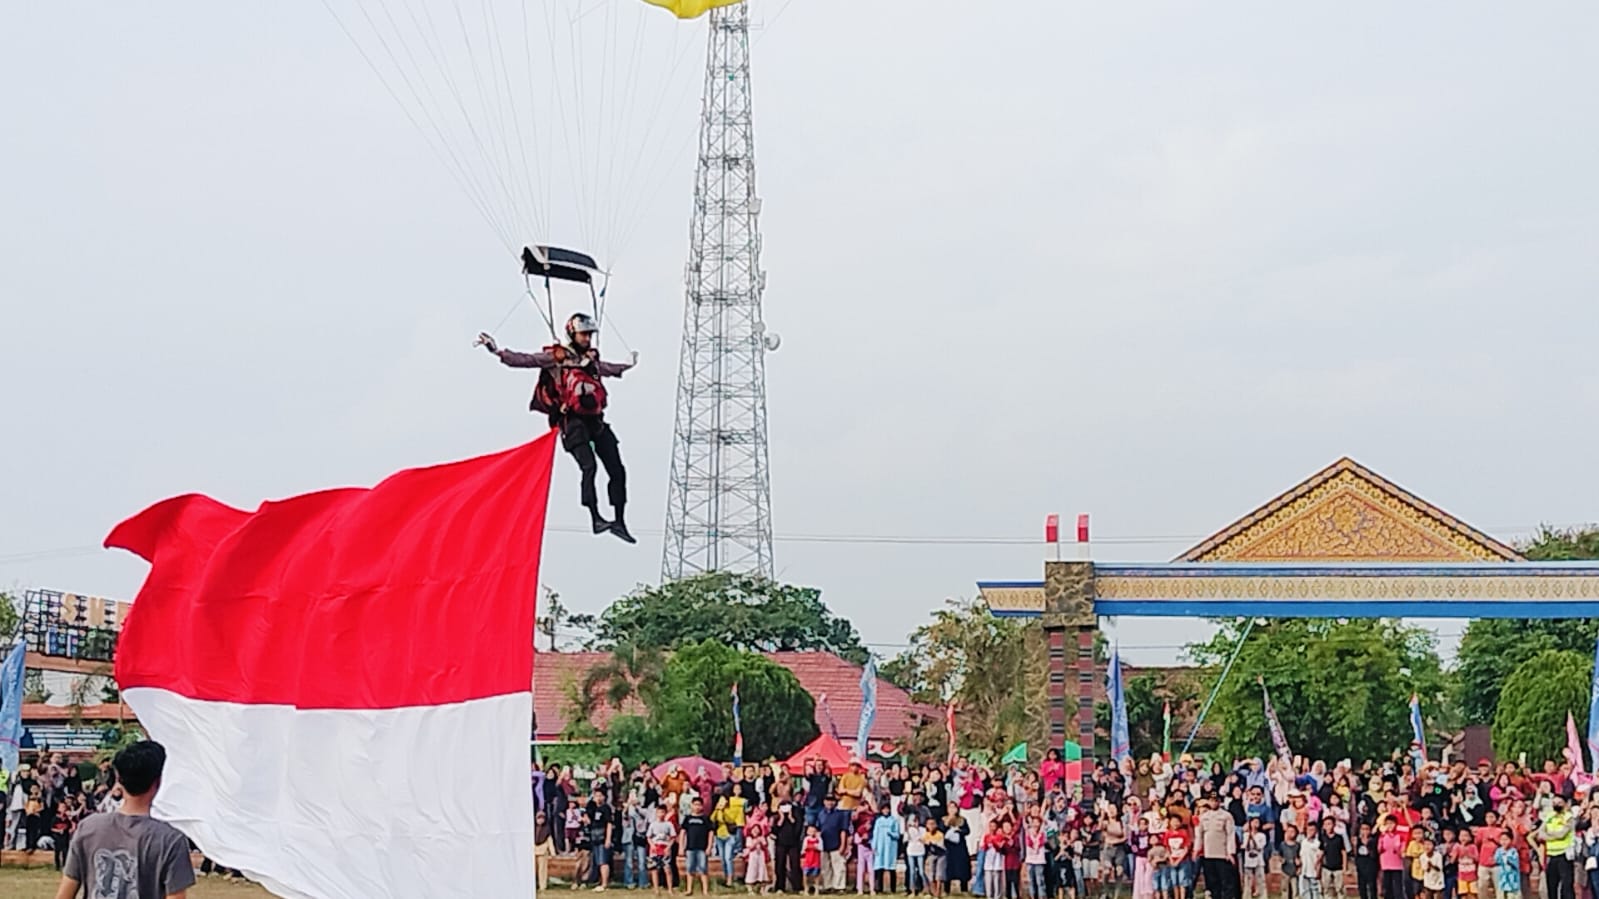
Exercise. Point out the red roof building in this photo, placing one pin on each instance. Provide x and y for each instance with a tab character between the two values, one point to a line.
555	675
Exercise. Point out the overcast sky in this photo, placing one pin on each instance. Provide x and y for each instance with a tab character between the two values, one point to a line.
1153	261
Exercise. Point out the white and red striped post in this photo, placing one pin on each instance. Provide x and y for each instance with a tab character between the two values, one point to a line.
1052	537
1082	536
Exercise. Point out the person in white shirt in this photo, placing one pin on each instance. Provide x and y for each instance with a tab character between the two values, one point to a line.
915	856
1310	867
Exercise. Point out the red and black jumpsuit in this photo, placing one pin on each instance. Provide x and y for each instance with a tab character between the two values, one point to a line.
585	434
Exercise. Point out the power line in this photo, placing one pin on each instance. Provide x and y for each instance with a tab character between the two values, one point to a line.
846	539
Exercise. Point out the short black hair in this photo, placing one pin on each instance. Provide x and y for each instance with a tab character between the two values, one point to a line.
139	766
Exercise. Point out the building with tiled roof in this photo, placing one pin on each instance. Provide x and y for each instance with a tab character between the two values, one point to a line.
556	675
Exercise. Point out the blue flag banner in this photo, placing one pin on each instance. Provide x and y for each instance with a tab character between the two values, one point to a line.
738	731
1121	747
1593	712
863	730
1418	732
11	677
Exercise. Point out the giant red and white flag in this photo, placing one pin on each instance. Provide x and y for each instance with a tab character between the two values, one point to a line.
343	680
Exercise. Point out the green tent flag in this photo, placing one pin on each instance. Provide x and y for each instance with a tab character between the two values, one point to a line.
1016	756
1071	752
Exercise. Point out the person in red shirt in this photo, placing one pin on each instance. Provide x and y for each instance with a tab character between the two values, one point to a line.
1487	837
1179	843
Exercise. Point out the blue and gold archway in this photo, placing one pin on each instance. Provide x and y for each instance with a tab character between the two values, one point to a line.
1344	543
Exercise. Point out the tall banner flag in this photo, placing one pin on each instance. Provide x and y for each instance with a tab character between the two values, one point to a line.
1165	738
1593	711
827	714
949	726
1579	778
738	731
863	730
315	666
12	674
1279	740
1120	743
1418	732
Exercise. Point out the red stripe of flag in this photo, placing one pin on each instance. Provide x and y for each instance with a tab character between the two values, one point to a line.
419	591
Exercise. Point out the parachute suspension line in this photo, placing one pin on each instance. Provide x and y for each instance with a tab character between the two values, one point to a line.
515	305
1244	637
505	104
585	198
488	122
560	102
446	155
630	103
429	37
540	182
507	212
642	194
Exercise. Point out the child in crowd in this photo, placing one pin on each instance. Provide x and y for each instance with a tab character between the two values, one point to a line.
1466	864
1253	847
573	823
1310	859
585	853
1065	861
915	856
662	834
864	880
755	858
1432	869
811	859
1450	850
933	839
1507	867
1288	859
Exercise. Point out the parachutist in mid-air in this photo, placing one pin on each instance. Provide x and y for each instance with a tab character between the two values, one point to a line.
570	391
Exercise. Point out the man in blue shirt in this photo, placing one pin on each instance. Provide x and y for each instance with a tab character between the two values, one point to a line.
834	824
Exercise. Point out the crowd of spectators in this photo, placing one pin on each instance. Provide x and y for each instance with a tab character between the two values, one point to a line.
1151	828
48	796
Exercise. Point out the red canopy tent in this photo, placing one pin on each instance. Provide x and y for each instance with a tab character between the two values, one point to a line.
825	748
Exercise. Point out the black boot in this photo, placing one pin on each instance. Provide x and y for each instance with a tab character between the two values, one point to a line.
619	528
600	524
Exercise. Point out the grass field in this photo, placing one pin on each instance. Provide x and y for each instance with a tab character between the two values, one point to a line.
40	883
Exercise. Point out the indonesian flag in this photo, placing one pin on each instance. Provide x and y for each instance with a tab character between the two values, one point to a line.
343	680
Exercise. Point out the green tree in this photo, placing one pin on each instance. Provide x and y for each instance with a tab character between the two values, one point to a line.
1341	688
1531	715
995	670
631	674
1492	648
10	617
742	611
693	705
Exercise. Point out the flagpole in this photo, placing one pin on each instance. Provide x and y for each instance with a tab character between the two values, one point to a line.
1211	699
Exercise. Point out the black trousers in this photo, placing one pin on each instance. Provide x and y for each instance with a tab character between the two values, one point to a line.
1221	878
786	860
1559	877
1393	885
589	438
1366	880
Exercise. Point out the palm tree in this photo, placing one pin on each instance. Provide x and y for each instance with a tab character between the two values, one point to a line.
631	673
555	615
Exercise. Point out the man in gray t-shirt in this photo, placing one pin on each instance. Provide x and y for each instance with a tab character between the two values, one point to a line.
127	854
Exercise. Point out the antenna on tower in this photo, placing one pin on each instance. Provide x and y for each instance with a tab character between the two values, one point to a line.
719	509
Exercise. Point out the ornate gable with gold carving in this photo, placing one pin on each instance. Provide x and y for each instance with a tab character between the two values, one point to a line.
1347	513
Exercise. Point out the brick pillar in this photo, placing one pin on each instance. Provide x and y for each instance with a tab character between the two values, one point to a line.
1069	625
1087	676
1062	686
